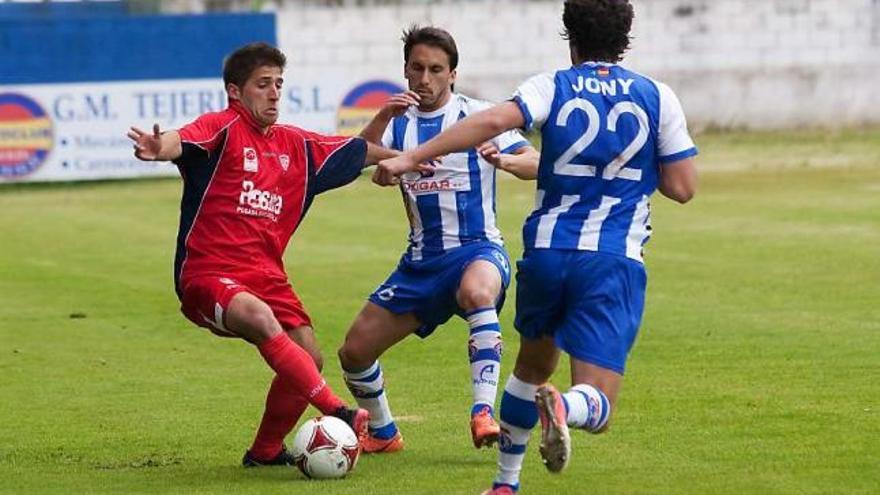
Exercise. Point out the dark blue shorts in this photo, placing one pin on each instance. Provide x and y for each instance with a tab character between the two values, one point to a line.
590	302
427	288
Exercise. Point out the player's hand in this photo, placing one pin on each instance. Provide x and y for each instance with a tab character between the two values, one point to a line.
491	154
382	178
399	103
388	171
146	146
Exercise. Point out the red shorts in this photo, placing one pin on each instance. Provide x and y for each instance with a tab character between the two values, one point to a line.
205	299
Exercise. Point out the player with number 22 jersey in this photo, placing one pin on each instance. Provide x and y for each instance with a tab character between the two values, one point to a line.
588	114
606	131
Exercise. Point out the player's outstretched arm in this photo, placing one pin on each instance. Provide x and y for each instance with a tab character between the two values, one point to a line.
395	107
158	146
522	163
678	180
377	153
467	133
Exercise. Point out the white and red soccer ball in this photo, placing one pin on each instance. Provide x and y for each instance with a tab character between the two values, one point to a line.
325	448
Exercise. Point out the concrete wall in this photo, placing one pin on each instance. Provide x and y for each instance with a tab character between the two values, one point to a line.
734	63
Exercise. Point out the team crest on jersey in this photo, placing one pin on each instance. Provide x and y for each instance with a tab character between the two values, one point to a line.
250	160
285	161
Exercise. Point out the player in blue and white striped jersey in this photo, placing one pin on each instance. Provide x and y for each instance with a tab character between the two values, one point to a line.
455	262
611	137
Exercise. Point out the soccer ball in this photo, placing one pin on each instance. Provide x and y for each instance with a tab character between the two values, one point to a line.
325	448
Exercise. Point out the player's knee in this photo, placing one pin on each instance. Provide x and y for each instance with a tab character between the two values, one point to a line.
353	355
263	322
476	297
254	322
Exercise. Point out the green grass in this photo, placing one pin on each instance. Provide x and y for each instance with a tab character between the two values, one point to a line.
755	371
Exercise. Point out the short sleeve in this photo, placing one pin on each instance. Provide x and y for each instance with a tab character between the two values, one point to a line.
201	137
674	143
205	131
534	98
510	141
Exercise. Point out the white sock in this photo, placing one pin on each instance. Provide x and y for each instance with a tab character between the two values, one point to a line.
484	351
588	408
368	388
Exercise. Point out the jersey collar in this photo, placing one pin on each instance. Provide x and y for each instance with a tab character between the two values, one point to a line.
247	118
597	64
440	111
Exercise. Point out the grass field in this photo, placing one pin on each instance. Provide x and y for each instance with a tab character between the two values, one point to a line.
756	370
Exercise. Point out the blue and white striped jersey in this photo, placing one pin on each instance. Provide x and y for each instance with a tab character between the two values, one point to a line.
606	131
455	205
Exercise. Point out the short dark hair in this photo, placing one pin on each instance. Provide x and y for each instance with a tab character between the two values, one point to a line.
241	63
433	36
598	30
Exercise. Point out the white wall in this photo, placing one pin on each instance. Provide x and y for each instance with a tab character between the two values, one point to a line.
734	63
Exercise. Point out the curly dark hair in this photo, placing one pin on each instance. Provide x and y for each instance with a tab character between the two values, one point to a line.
598	30
241	63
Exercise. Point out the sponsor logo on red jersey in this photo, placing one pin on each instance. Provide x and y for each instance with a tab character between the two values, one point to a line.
257	203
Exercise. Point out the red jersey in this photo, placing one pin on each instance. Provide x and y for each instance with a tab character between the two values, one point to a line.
246	192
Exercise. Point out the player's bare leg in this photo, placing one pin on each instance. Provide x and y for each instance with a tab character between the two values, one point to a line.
477	295
253	320
250	318
374	331
535	363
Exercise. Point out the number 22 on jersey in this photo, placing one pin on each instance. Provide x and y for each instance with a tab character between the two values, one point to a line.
616	168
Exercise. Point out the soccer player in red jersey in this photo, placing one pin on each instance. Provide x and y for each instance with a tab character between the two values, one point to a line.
248	182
